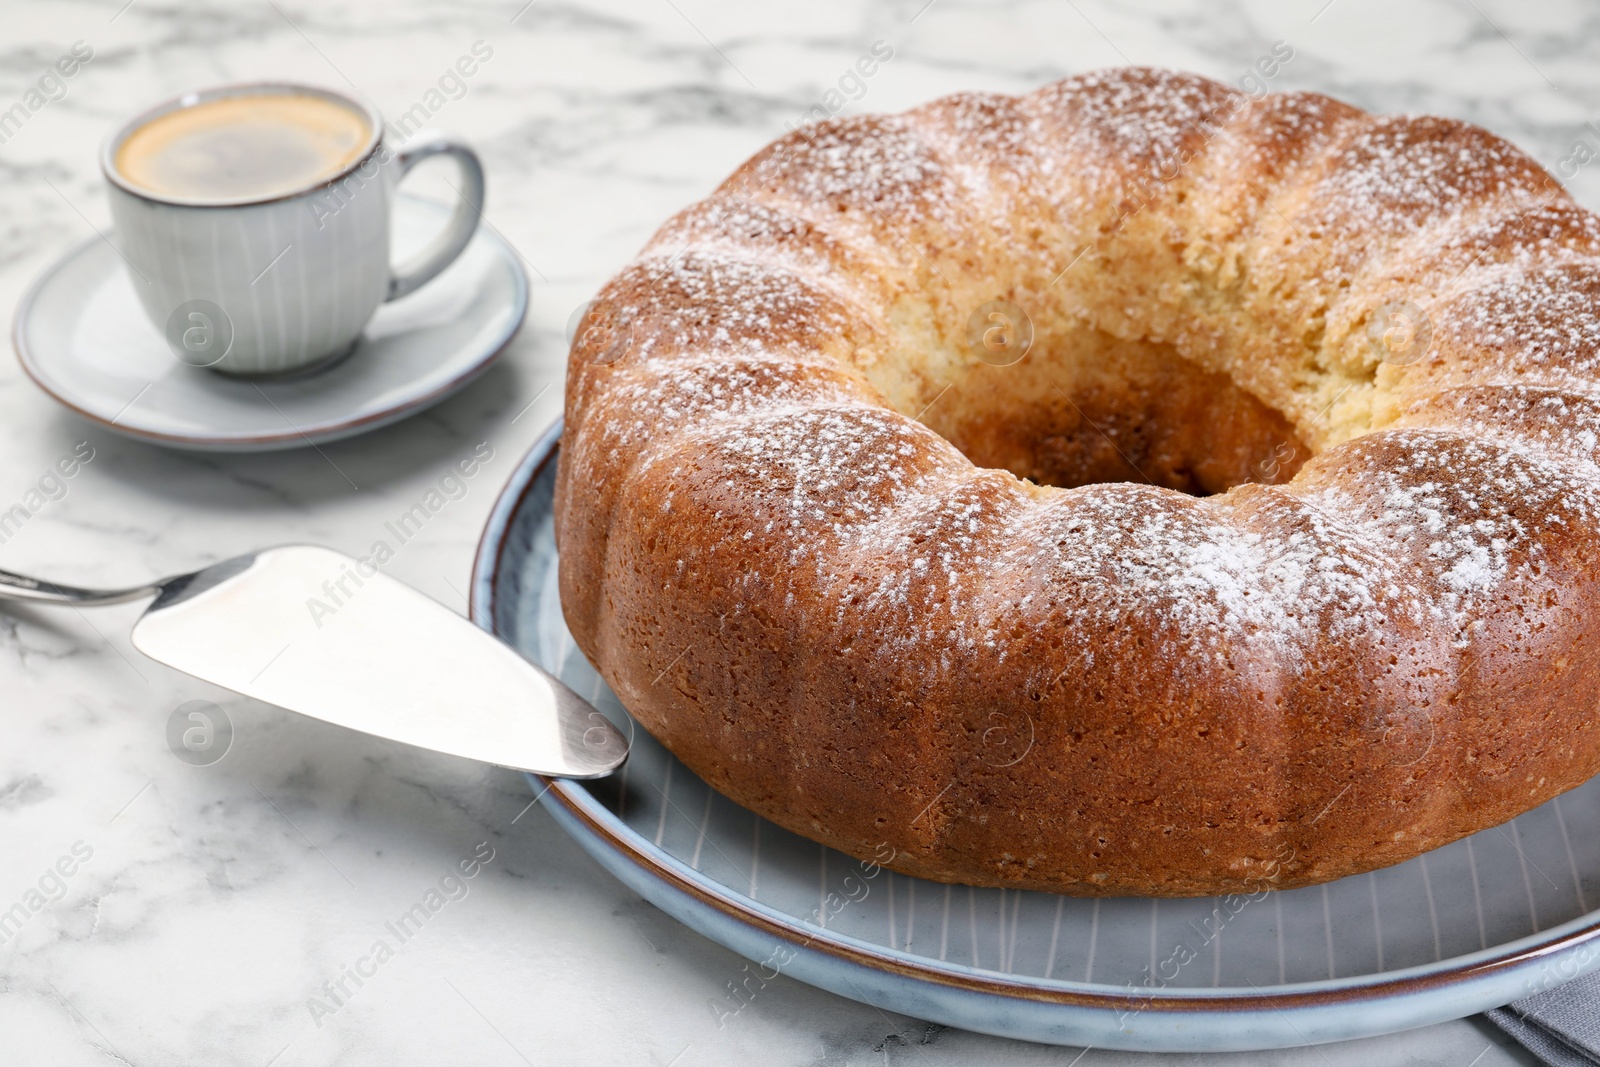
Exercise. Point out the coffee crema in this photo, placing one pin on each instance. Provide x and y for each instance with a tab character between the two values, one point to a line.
255	145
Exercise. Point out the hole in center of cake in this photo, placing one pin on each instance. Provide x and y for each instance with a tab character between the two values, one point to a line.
1089	407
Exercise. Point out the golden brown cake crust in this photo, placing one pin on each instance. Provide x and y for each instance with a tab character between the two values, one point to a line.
886	592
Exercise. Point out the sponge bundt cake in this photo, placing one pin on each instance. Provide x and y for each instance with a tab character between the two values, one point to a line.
1254	543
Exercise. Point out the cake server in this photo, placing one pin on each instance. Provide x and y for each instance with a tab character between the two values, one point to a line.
311	630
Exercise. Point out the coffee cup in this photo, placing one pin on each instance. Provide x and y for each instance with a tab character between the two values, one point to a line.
254	220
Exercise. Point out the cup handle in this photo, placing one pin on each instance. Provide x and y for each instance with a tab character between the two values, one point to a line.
420	269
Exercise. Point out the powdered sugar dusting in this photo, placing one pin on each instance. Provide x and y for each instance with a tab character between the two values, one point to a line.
1466	514
990	144
1560	426
820	475
707	300
693	393
1541	322
1405	528
1540	236
1401	174
1139	555
1131	117
876	167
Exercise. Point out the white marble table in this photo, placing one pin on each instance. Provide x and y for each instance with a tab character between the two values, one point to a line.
216	901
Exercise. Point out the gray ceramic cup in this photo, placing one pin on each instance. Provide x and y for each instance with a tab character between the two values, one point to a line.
280	285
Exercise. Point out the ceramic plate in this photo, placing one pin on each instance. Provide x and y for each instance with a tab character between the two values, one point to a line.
1469	926
82	336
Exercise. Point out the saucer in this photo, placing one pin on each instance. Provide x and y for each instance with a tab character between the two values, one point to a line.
82	336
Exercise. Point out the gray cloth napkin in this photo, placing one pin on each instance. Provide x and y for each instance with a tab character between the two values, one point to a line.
1561	1026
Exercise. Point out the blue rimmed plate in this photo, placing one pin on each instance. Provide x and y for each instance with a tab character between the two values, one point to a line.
1475	924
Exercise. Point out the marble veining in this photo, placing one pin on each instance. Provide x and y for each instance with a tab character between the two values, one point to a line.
208	909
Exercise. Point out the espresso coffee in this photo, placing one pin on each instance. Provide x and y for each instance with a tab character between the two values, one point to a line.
252	245
249	146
